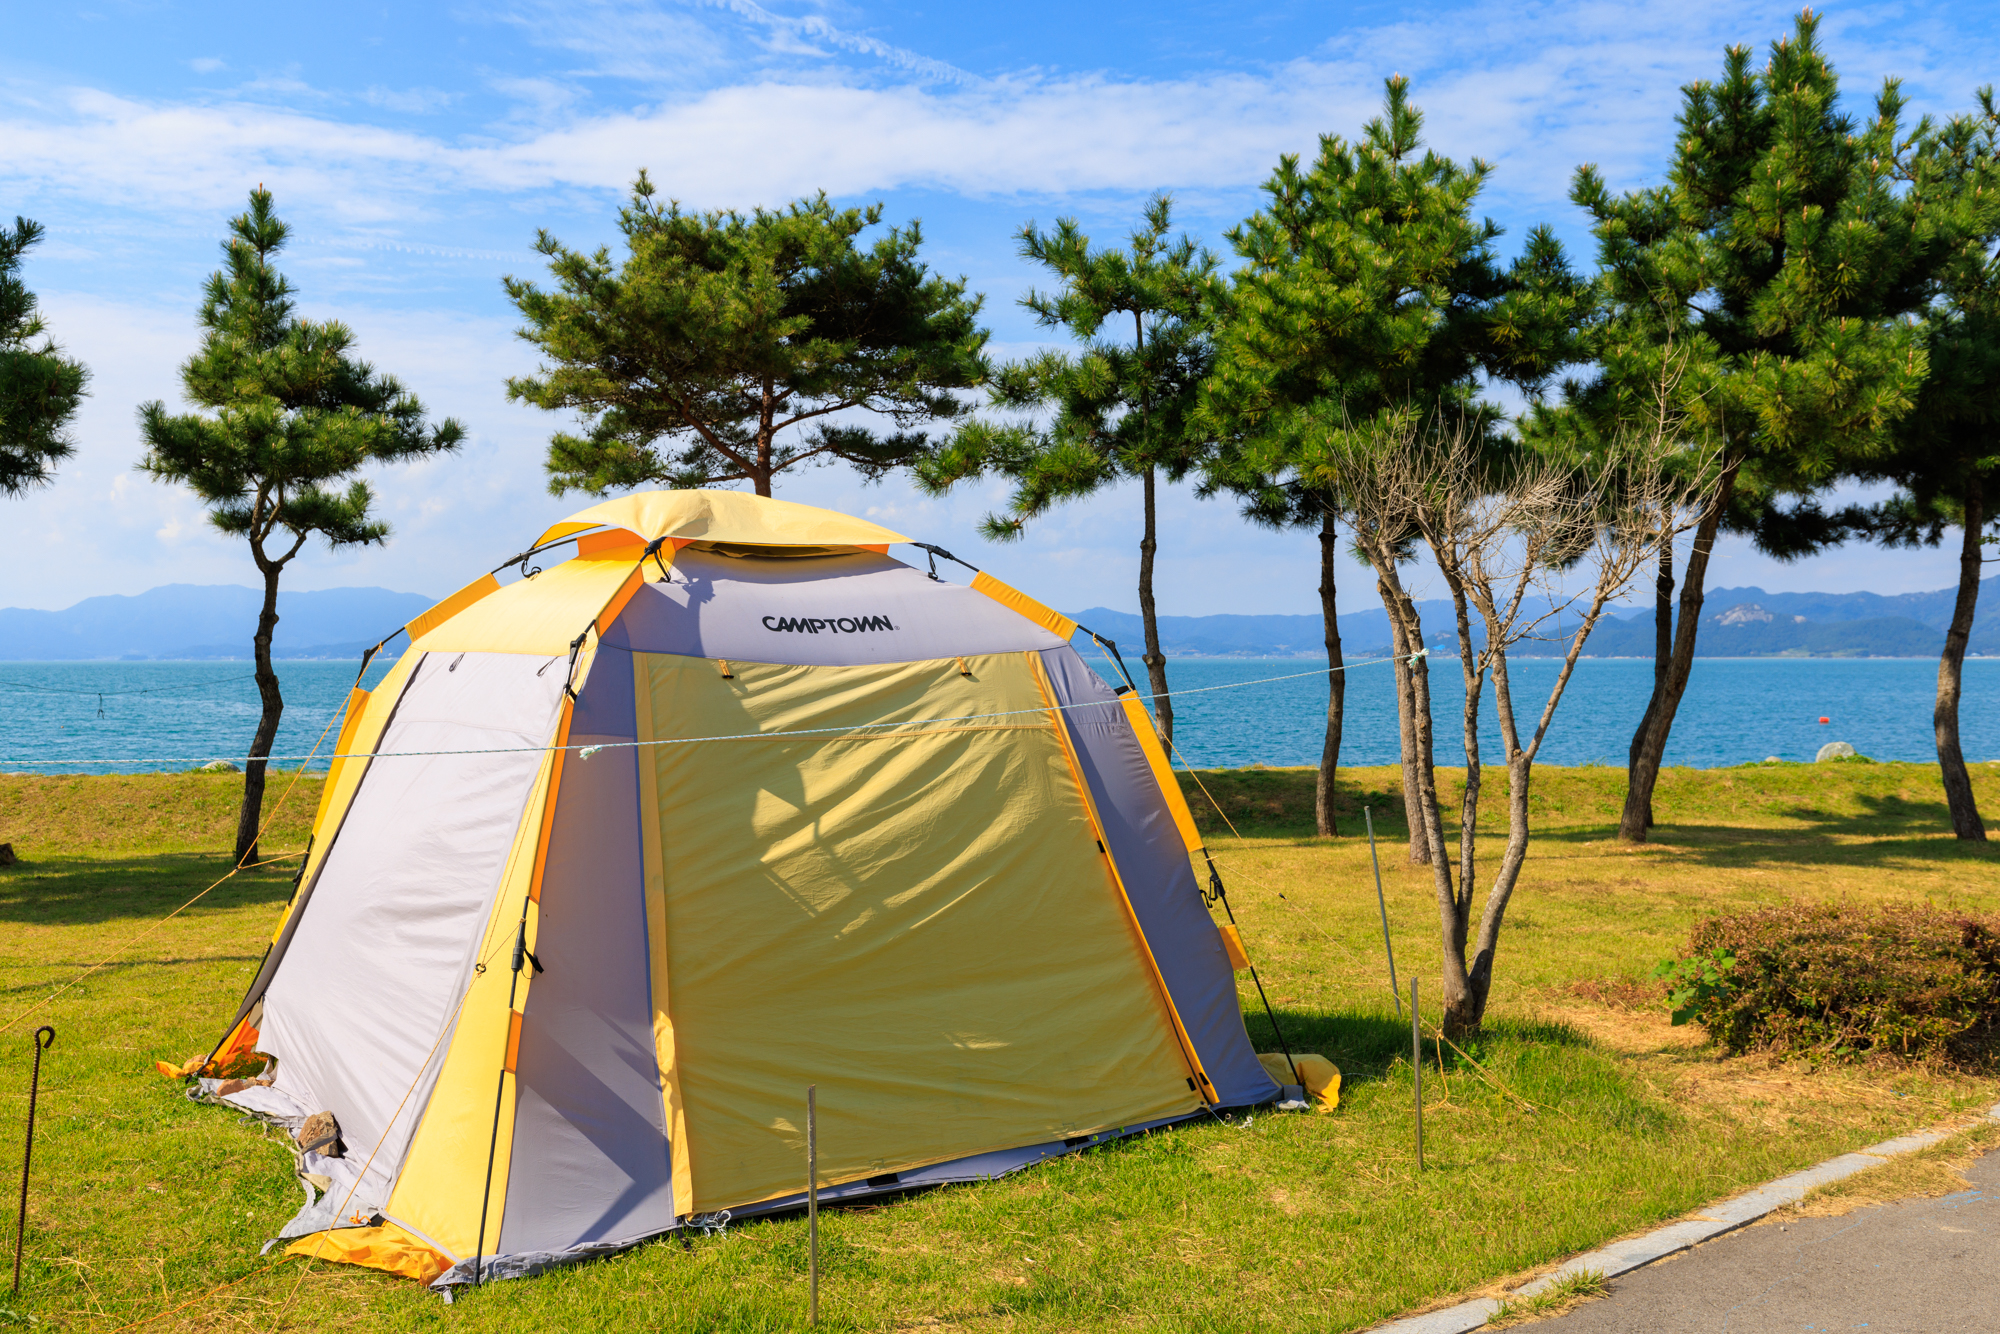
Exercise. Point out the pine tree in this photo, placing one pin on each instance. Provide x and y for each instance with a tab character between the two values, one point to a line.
1768	281
1946	460
39	387
1370	291
721	332
290	416
1122	410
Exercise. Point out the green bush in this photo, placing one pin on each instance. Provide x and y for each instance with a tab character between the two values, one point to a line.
1829	980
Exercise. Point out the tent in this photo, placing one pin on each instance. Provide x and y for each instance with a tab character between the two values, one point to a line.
623	854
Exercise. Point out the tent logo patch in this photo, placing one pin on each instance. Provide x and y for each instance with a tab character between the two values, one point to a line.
839	625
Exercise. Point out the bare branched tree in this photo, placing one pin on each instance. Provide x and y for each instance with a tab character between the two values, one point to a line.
1532	546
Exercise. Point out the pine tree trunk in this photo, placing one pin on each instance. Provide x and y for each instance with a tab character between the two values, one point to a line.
1649	743
767	411
1156	662
1336	682
1663	656
267	726
1958	795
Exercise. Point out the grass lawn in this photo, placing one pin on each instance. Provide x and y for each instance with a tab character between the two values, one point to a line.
1587	1116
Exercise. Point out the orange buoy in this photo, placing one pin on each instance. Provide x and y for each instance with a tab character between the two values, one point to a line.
1826	720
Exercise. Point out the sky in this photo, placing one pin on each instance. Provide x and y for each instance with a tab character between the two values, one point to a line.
416	149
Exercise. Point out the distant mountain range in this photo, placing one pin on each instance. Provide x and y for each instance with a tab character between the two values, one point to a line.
1738	623
206	621
191	621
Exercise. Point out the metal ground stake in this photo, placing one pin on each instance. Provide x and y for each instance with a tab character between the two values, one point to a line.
1417	1065
1383	904
43	1039
812	1203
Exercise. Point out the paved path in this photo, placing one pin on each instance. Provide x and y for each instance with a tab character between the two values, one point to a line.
1927	1266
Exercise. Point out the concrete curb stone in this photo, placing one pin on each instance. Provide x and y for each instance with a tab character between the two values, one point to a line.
1622	1257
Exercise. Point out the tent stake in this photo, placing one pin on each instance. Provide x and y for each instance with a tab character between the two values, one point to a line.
42	1044
1417	1065
812	1202
1383	904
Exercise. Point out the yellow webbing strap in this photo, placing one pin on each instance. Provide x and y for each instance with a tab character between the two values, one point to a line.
451	606
1163	770
1015	600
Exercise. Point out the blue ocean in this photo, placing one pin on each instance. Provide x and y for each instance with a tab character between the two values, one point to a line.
83	717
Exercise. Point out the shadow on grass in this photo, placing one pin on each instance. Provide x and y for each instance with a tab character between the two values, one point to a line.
66	968
1365	1044
1278	803
79	891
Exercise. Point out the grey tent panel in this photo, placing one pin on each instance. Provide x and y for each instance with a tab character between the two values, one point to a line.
360	1011
605	706
820	611
1153	861
590	1161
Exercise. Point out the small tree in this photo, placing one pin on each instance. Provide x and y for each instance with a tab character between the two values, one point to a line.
722	331
39	386
1120	410
1509	530
1369	284
1947	455
290	417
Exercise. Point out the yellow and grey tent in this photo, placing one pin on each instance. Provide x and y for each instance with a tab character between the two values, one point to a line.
622	855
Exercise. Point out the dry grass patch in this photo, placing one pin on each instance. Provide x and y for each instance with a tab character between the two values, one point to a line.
1926	1174
1565	1294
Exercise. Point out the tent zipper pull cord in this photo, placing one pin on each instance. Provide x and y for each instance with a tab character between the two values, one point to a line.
1216	894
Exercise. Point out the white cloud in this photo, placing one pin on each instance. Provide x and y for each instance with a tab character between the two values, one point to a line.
1536	88
410	101
668	46
206	64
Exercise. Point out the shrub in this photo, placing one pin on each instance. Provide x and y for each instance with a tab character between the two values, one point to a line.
1904	980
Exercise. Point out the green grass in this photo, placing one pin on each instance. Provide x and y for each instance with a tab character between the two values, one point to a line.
1586	1118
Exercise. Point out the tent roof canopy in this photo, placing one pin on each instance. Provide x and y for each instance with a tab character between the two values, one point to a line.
727	518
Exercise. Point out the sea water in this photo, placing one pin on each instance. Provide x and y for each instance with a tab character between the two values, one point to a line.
84	717
1735	711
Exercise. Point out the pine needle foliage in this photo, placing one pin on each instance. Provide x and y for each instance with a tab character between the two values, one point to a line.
1772	280
1946	456
39	386
1116	410
1370	292
287	418
1369	289
720	332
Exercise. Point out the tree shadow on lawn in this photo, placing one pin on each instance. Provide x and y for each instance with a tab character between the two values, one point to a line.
88	891
1879	815
1365	1044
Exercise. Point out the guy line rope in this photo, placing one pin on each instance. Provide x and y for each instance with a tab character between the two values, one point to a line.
585	752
